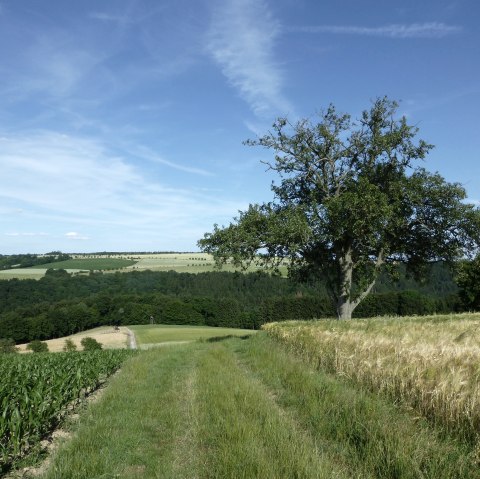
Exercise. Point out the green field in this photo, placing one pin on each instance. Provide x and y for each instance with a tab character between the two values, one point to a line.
151	335
248	408
88	264
22	273
180	262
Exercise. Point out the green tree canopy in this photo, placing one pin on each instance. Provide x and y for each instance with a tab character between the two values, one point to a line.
350	202
468	279
90	344
38	346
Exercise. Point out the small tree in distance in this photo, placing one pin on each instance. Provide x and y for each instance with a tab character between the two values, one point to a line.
90	344
38	346
350	203
69	345
7	346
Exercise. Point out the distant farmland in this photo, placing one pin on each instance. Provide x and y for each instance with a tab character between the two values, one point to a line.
127	262
101	263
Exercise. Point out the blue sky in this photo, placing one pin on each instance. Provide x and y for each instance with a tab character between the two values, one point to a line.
122	121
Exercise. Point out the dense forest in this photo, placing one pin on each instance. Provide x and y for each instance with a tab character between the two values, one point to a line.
60	304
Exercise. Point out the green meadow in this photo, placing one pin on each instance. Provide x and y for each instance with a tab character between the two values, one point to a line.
103	263
152	335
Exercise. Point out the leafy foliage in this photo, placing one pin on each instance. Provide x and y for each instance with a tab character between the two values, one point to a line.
69	346
468	280
38	346
60	305
90	344
7	346
350	202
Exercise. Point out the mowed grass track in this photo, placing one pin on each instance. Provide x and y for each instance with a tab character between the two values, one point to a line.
246	408
160	334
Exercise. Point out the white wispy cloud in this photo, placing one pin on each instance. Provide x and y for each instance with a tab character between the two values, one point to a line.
148	154
121	20
241	40
51	66
73	235
413	30
84	191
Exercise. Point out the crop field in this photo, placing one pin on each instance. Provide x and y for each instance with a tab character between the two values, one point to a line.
428	364
22	273
99	263
150	335
180	262
37	390
76	265
249	408
378	398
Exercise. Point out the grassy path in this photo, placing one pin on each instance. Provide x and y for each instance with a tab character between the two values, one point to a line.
247	409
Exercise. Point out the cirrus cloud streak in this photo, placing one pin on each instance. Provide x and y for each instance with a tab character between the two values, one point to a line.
413	30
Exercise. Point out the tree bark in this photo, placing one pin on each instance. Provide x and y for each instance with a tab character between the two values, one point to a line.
345	306
344	309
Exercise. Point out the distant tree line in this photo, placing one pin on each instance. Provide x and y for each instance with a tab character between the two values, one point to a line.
130	253
61	304
28	260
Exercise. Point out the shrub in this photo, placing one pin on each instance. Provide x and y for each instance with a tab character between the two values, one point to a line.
90	344
38	346
7	346
69	345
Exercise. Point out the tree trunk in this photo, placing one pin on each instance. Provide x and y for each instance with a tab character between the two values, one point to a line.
345	306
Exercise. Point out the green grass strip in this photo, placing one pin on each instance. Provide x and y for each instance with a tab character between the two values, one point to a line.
148	335
243	433
141	427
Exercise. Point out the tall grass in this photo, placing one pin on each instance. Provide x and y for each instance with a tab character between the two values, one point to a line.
243	432
431	365
141	428
359	431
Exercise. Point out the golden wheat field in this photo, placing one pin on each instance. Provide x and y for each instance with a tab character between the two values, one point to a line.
429	364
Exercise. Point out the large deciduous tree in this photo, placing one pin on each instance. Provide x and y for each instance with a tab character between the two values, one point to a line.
350	201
